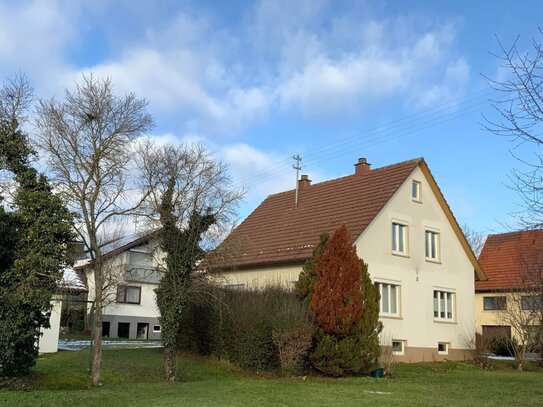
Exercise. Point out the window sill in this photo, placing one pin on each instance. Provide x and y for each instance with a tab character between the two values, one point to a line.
445	321
398	353
128	303
419	201
433	261
400	254
389	316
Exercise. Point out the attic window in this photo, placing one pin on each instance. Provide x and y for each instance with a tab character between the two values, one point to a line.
416	191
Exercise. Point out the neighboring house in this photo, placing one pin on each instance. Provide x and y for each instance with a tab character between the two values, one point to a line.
513	263
130	264
402	227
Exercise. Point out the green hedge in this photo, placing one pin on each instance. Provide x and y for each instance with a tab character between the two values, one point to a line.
238	325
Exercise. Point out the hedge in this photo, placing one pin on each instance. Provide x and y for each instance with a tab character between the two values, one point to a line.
241	326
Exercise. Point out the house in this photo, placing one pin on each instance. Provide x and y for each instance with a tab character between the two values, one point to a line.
402	227
513	263
70	285
130	264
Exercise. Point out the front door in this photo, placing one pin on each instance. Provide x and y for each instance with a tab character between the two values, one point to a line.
143	331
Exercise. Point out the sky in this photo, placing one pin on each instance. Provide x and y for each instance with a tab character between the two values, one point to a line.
259	82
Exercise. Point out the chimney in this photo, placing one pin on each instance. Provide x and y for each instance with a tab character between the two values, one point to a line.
304	182
362	166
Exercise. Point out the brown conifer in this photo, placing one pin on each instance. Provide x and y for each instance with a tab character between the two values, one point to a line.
336	304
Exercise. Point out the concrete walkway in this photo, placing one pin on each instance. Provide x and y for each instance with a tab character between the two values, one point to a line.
82	344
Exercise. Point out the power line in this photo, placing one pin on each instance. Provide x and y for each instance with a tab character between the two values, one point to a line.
264	173
380	138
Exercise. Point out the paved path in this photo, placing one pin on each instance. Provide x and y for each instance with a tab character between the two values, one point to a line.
82	344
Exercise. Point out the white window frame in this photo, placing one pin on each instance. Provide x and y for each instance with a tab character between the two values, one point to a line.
443	352
395	237
436	239
444	293
235	286
403	343
381	285
418	197
157	330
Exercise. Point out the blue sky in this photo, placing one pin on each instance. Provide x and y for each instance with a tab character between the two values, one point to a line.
330	80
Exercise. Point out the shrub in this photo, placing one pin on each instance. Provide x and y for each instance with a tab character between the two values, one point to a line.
240	326
292	346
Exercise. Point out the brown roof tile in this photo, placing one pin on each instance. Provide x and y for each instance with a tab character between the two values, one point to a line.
508	258
277	232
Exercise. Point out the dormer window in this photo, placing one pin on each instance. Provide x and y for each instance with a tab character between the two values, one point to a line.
416	191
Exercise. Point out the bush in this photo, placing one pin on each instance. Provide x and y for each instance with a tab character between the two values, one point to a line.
240	326
293	346
503	346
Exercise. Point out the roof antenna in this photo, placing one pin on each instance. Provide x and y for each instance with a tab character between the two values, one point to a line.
298	168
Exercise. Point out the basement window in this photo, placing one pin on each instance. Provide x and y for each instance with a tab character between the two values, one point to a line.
156	328
443	348
398	347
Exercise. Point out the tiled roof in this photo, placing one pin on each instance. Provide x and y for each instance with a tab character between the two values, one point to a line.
508	258
278	232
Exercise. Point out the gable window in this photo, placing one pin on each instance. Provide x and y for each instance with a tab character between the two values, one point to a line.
443	305
399	238
389	304
127	294
398	347
494	303
416	191
432	243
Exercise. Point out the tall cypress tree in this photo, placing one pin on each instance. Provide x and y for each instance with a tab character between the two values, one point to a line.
34	239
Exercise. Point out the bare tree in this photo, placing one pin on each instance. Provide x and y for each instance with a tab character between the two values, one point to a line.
190	198
475	238
520	118
87	139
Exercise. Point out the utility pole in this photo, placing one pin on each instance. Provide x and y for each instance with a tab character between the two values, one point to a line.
298	168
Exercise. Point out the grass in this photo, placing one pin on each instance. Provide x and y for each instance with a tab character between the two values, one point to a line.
134	377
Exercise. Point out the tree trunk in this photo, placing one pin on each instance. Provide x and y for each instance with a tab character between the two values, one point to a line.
170	365
96	365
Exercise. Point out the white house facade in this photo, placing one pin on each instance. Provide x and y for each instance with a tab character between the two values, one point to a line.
130	306
404	229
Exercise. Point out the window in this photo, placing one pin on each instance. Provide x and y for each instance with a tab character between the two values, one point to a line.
398	347
532	302
127	294
389	302
399	238
235	286
432	245
443	305
415	191
494	303
123	330
443	348
156	328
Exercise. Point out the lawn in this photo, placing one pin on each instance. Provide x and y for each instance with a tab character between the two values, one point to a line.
134	377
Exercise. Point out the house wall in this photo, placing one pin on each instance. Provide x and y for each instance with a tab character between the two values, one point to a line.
145	312
285	275
501	318
417	277
48	341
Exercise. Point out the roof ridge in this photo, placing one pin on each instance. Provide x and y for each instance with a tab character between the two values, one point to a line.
384	167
